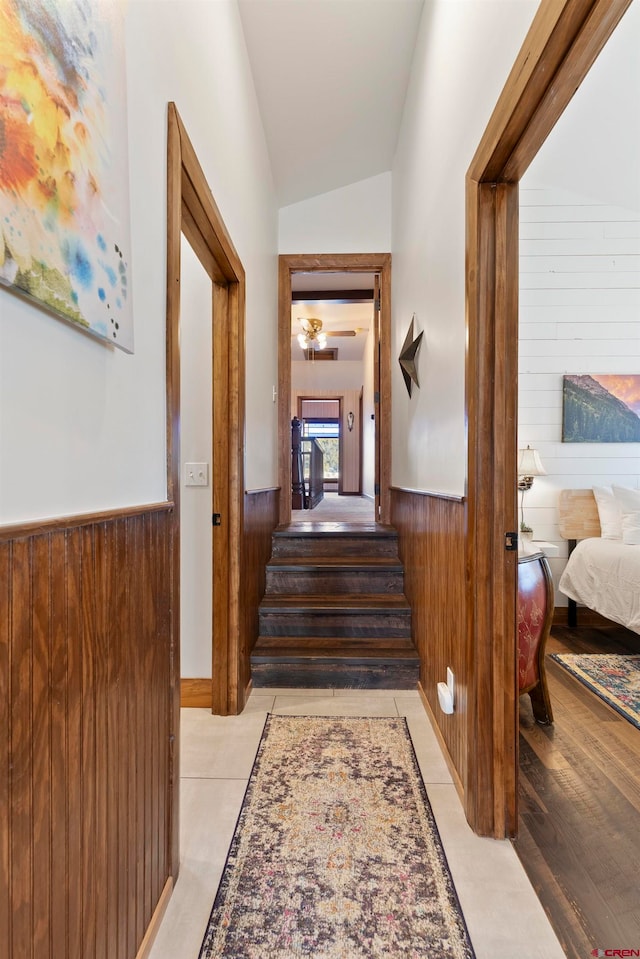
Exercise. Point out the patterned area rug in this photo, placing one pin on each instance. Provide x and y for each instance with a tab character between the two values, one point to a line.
336	854
613	677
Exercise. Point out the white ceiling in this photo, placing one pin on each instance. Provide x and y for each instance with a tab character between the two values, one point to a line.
335	315
331	78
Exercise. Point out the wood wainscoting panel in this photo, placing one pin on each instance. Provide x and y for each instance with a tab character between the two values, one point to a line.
261	511
85	733
431	546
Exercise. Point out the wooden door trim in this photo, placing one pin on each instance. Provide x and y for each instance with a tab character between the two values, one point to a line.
341	263
564	40
192	210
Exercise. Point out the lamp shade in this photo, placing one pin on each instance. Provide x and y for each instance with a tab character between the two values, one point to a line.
530	464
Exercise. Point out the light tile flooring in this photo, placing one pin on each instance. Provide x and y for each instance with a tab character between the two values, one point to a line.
503	915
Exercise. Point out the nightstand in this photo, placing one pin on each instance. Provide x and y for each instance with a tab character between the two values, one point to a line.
535	613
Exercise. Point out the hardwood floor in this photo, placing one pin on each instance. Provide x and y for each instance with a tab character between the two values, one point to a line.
333	508
579	796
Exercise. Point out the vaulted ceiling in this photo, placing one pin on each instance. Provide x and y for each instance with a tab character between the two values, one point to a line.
331	78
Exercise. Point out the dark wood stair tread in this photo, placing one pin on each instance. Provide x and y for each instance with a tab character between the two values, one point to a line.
344	531
335	562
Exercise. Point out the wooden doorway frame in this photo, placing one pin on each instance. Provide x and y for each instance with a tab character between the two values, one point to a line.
562	44
192	210
379	263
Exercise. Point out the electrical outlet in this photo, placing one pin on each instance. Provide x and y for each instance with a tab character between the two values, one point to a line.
196	474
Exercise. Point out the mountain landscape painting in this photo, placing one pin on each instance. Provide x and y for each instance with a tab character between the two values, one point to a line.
601	408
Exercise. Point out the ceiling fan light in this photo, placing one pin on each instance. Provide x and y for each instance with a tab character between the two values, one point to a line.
302	340
322	340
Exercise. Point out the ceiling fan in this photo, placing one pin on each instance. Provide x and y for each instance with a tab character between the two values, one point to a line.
313	333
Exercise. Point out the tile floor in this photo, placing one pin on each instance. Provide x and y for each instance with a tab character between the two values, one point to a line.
503	915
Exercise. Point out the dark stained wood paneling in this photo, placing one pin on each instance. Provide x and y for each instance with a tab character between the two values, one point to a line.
85	729
430	544
261	509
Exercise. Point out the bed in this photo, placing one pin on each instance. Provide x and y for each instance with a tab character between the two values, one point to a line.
603	571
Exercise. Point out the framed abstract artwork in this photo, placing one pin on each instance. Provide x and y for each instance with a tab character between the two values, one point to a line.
64	185
601	408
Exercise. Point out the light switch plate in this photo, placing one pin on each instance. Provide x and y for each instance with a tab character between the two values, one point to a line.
196	474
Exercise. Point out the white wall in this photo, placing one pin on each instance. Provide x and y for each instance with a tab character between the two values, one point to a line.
196	569
354	219
82	426
326	375
580	275
464	53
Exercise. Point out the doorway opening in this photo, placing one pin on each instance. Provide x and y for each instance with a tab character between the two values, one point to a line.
346	300
192	213
560	48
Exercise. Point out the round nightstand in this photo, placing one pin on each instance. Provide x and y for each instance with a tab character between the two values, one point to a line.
535	613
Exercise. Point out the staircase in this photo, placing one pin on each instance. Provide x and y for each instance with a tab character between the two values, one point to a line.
334	614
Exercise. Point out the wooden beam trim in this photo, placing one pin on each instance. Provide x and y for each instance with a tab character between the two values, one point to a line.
197	224
196	239
588	43
229	259
335	262
61	523
284	387
425	492
552	31
146	945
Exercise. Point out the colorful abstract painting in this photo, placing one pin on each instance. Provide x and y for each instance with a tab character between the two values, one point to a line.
64	194
601	408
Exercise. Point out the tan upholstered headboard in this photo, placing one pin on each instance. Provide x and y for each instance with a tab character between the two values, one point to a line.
578	514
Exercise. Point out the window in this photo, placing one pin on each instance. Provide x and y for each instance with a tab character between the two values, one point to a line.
327	433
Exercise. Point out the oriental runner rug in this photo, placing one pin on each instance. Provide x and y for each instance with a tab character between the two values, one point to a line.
614	677
336	854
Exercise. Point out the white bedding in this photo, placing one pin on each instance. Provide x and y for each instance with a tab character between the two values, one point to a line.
604	575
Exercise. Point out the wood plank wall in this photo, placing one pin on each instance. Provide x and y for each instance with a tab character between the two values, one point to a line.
261	509
430	543
85	730
579	304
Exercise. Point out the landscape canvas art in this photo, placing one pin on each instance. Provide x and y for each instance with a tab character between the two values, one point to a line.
601	408
64	192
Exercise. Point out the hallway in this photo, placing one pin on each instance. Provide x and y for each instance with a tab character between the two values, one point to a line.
334	509
503	915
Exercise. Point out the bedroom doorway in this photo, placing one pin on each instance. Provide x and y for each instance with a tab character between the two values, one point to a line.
557	53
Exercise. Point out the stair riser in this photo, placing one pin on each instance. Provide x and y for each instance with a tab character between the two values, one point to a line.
333	582
335	676
332	623
328	545
378	646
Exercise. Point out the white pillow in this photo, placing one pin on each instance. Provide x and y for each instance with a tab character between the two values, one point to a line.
609	512
629	501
